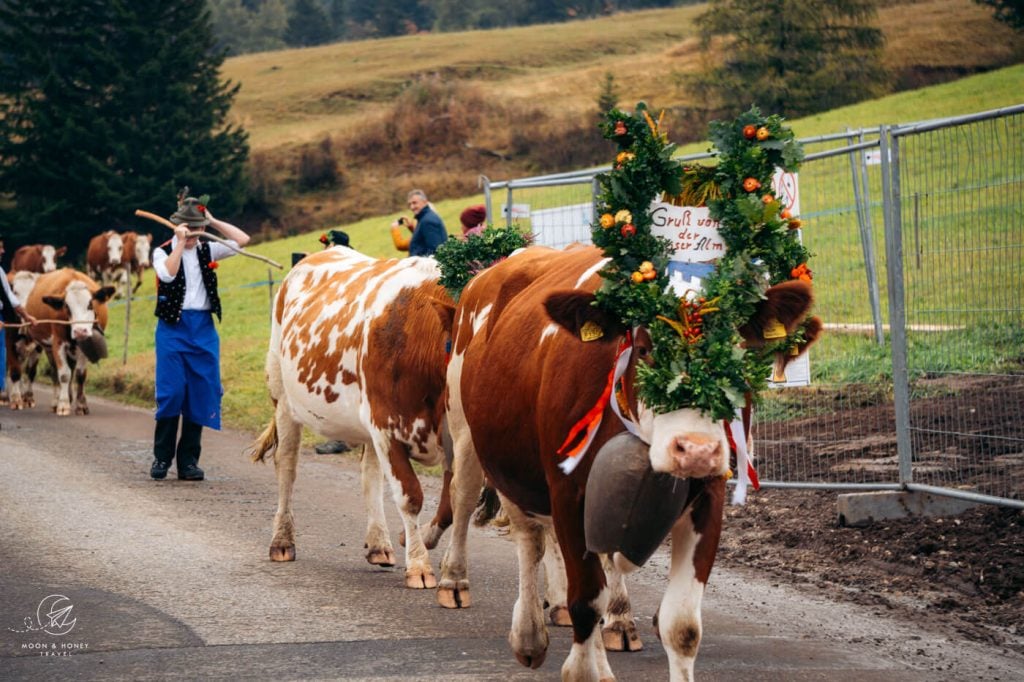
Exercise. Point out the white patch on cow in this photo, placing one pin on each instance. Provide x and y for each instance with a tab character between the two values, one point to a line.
593	270
480	317
142	249
115	248
685	443
49	258
550	330
22	283
680	607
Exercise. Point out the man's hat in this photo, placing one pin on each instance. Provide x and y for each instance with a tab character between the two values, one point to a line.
190	211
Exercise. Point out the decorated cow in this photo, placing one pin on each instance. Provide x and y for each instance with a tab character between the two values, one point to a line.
624	400
72	313
357	353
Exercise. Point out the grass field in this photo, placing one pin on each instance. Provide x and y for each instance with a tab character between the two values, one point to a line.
838	266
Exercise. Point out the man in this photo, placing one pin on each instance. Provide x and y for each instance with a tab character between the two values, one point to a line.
10	312
429	231
187	345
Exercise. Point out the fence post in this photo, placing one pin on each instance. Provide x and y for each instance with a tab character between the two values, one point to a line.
508	207
889	146
127	318
270	293
867	242
485	183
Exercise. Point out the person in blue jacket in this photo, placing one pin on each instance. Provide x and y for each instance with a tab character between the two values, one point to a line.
429	232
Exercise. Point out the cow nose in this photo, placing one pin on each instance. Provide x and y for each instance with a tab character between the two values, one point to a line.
696	455
81	333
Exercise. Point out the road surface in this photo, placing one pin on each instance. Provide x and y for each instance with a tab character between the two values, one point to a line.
170	580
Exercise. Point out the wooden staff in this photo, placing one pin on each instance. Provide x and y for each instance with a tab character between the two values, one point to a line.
205	235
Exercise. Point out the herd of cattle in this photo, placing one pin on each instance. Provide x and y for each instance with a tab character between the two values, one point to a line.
72	309
375	352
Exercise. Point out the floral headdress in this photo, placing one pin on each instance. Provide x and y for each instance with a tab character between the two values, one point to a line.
698	358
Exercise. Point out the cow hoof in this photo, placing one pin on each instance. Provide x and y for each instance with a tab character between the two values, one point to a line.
381	557
619	637
533	662
420	580
454	596
63	411
82	410
559	616
29	402
282	552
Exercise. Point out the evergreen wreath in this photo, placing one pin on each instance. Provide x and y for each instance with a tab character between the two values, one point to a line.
698	358
460	259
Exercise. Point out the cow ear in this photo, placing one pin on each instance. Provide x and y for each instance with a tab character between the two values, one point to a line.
786	303
61	251
573	310
104	294
445	312
55	302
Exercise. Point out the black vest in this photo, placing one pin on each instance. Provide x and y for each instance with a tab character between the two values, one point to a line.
170	296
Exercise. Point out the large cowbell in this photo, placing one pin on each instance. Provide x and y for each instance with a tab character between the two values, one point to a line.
629	508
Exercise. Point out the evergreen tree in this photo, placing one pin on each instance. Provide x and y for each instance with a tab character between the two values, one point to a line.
1010	12
107	106
307	25
790	57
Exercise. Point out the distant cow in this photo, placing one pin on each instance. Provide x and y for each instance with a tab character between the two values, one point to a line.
37	258
137	248
80	305
105	258
517	331
22	351
357	353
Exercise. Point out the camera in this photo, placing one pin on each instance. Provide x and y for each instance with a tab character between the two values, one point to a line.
402	221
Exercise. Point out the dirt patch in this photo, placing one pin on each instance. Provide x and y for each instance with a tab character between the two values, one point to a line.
962	575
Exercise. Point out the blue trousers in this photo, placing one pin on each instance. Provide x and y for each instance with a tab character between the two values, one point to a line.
188	369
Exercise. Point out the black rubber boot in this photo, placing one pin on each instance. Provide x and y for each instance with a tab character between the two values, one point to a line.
189	448
163	446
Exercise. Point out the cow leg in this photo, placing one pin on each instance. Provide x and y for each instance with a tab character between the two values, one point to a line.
12	373
443	517
619	630
81	367
529	635
62	385
587	594
30	352
555	583
379	550
286	459
408	496
694	544
464	491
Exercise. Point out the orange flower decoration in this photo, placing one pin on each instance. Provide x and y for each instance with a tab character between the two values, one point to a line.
637	277
607	220
213	265
751	184
749	131
801	272
785	214
763	134
620	127
323	239
795	224
767	198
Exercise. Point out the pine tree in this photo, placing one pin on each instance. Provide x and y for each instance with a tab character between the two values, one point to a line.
308	25
790	57
107	106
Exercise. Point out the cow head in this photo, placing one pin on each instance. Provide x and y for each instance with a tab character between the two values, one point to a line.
84	308
50	255
143	245
685	442
115	248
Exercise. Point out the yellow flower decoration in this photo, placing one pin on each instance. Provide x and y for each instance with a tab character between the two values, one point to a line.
623	216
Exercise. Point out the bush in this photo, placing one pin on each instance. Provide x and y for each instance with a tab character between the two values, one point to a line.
317	168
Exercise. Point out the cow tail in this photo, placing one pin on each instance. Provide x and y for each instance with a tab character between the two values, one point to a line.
487	507
266	442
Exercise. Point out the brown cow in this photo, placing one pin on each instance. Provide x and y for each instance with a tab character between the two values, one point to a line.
136	255
80	305
37	258
517	329
357	353
104	260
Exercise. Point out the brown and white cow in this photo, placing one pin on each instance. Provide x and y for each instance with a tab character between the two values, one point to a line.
22	351
37	258
80	306
136	258
357	353
517	333
105	258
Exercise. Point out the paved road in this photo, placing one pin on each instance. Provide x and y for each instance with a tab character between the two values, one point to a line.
170	580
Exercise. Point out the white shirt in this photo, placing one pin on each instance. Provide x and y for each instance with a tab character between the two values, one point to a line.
195	292
7	290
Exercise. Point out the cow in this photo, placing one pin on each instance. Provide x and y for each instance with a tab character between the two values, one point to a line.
517	329
22	351
357	353
79	307
105	258
37	258
137	248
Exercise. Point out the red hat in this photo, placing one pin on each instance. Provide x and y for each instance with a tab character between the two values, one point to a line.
473	216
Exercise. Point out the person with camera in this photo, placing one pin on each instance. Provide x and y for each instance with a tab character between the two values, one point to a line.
427	228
